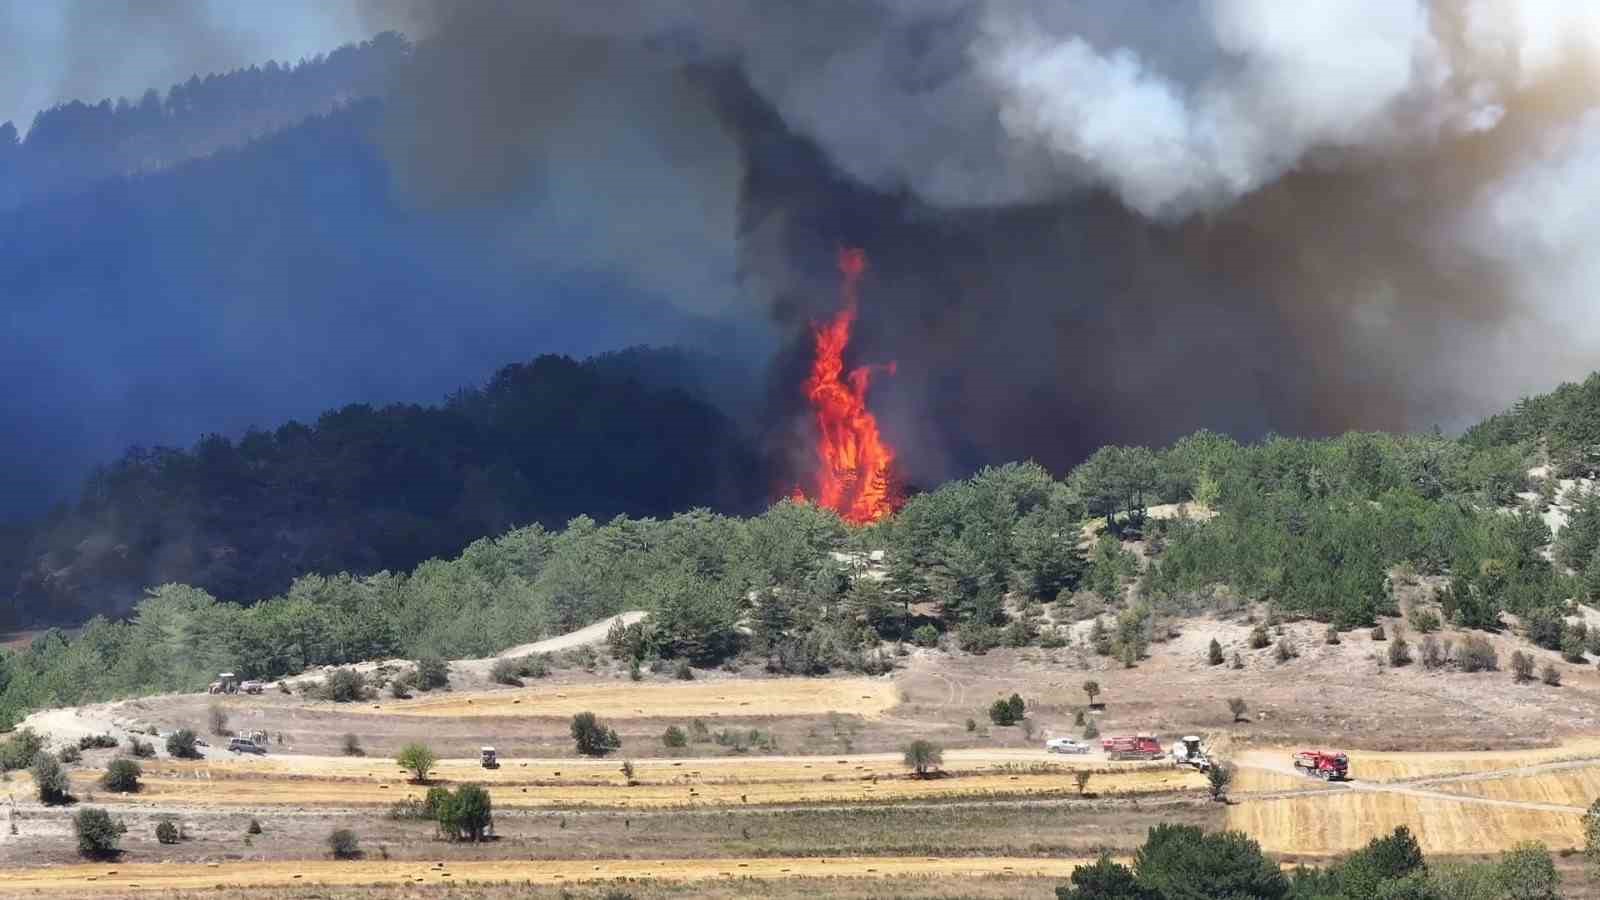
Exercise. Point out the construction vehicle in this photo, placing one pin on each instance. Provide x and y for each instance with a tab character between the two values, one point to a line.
1138	746
487	758
1188	751
226	683
1325	764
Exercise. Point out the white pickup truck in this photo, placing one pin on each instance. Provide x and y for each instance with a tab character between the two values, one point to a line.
1066	745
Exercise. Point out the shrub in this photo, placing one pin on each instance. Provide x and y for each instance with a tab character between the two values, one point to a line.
972	724
1432	653
167	831
344	844
1477	655
1218	779
351	745
1000	713
674	737
1377	633
343	686
1331	637
1081	779
1574	645
635	673
1130	656
1019	709
534	665
1425	621
122	776
925	636
1259	637
683	671
1214	653
435	800
506	671
1399	652
181	745
1551	675
591	737
217	718
1521	667
18	751
69	754
418	760
977	639
140	749
98	836
1091	730
254	827
1238	661
1077	717
1285	651
432	672
400	686
49	780
1092	690
920	756
97	742
1238	707
466	814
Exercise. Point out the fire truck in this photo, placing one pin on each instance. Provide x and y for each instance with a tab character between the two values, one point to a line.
1138	746
1325	764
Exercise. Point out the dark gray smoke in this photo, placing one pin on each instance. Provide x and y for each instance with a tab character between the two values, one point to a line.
1088	222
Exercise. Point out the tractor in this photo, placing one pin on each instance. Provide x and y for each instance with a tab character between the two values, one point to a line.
1188	751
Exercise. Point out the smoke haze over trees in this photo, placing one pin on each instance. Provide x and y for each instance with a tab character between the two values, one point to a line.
1092	223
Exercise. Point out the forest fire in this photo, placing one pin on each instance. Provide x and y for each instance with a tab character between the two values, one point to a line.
853	460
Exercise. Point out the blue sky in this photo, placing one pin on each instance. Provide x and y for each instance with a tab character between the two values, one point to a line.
59	50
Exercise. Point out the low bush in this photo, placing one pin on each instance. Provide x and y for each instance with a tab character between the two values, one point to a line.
1551	675
591	737
217	718
683	671
49	780
1259	638
351	746
167	831
18	750
97	742
122	776
1477	655
1331	637
1399	652
1378	634
1425	621
925	636
1521	667
344	844
343	686
506	671
181	745
254	827
69	754
674	737
141	749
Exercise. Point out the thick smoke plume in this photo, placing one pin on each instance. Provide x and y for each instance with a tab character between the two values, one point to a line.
1089	222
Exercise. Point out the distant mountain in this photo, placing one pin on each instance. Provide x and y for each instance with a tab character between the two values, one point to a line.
364	489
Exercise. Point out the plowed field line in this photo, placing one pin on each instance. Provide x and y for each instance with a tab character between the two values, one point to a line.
84	879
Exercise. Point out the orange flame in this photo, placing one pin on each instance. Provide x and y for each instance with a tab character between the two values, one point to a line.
854	462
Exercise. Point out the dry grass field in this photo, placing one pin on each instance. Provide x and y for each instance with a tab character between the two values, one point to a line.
1576	787
1336	822
761	697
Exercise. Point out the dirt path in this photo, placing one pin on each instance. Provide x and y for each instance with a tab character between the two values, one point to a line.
591	634
84	879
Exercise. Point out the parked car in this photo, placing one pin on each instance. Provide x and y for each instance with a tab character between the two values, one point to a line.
1066	745
245	745
252	687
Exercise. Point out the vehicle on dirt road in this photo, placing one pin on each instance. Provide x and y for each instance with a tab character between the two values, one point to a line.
1325	764
1065	745
252	687
245	745
1189	752
1138	746
487	758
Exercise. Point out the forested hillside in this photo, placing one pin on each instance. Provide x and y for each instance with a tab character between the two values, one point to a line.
74	144
1313	527
365	489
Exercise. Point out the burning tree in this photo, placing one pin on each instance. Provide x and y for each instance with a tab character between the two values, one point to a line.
854	461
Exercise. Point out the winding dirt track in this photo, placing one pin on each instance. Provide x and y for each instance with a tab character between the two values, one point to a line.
85	879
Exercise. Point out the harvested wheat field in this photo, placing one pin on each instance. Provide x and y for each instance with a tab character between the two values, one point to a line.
1334	823
1574	786
81	879
843	786
765	697
1375	766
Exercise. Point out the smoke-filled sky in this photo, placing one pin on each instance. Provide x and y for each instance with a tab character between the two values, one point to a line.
1089	222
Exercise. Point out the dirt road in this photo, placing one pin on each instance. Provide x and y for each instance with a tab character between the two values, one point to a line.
84	879
703	699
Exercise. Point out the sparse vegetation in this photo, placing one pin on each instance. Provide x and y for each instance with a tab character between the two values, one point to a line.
217	718
506	671
1331	636
70	754
97	742
343	686
140	749
922	756
1238	708
121	776
1551	675
591	737
1285	650
98	836
1477	655
343	844
682	671
1214	653
1259	638
350	745
1399	652
19	750
1081	777
1521	667
674	737
432	673
1378	633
